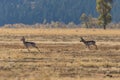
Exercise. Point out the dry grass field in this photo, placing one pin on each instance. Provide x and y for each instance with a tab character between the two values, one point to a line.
62	56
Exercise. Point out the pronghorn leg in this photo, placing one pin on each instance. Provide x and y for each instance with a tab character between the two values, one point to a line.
28	48
88	47
96	46
37	48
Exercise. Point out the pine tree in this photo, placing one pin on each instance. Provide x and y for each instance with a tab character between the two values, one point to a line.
84	18
103	8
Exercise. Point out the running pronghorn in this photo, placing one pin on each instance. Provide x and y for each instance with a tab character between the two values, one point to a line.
88	43
28	44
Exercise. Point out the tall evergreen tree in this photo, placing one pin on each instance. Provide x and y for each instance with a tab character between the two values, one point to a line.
104	7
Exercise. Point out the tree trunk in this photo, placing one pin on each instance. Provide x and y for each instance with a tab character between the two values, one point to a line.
104	26
86	24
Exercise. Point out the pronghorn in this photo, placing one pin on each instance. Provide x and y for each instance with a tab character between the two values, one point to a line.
28	44
88	43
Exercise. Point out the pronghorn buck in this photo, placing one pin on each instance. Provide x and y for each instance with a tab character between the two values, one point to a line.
88	43
28	44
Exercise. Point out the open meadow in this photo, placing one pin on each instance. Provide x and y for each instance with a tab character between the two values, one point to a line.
62	56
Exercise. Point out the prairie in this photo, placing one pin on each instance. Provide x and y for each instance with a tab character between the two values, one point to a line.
62	56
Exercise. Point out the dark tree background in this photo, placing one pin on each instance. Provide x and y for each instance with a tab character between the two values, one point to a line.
37	11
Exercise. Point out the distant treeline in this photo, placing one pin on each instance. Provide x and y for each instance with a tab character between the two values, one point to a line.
47	11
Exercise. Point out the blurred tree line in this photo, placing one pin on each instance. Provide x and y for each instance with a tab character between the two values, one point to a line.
49	11
41	11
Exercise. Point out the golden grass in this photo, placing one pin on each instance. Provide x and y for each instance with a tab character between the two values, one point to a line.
84	79
58	31
61	56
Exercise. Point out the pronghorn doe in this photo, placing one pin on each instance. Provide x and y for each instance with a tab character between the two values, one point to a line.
28	44
88	43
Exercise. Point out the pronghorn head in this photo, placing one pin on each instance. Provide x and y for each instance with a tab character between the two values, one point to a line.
81	39
23	38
